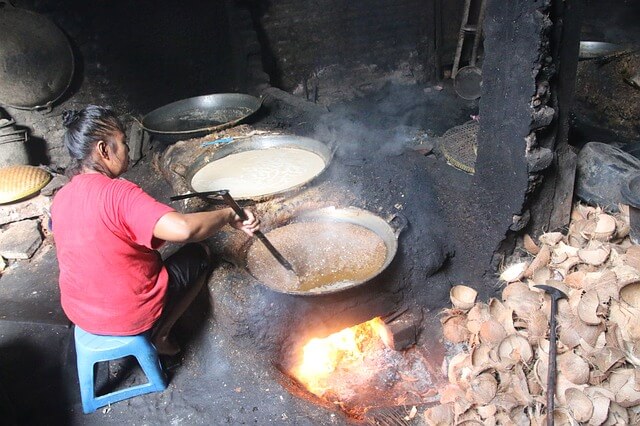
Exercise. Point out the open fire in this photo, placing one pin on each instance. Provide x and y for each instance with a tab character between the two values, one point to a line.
356	370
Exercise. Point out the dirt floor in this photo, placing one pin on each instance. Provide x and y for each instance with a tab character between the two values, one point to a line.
227	373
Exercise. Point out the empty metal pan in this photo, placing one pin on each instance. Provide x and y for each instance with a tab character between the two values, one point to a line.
202	114
259	167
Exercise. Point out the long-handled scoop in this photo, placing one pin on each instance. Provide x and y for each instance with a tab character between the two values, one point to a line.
551	370
228	199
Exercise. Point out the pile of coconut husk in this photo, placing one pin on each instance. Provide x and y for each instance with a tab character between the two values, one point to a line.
501	375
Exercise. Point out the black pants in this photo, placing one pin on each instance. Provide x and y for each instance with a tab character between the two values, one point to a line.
185	266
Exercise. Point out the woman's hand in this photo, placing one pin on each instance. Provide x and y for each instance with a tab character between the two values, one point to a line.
249	226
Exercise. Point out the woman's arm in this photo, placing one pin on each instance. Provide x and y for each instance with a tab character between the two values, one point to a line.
191	227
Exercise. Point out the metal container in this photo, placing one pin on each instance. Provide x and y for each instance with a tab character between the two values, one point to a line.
261	143
387	231
36	61
192	117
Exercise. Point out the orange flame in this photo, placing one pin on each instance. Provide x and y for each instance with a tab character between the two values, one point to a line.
321	357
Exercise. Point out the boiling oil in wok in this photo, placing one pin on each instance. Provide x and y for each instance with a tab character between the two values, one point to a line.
323	254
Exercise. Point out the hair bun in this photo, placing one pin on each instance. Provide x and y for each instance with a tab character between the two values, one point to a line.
69	117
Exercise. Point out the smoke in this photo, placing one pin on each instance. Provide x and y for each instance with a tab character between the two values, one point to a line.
390	121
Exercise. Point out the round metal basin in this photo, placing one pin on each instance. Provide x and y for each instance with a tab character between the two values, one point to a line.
201	114
388	232
258	143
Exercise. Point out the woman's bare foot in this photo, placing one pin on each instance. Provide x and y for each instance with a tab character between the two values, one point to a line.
164	346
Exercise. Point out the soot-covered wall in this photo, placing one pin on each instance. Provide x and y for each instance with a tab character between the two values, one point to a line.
134	56
301	37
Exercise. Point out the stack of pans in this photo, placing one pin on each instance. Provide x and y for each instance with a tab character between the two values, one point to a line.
10	133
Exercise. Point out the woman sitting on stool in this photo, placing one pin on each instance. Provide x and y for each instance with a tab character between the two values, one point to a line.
107	230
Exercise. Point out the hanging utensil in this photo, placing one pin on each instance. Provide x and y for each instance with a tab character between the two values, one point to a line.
228	199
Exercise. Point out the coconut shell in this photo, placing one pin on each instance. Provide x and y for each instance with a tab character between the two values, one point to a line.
454	329
518	297
505	402
623	385
542	275
594	254
476	316
459	370
492	332
541	260
574	368
607	358
605	227
558	256
587	308
618	415
450	394
439	415
482	389
627	318
622	228
519	386
613	336
519	416
604	282
561	417
631	294
463	297
529	245
514	272
632	257
469	422
600	406
580	212
480	358
567	266
502	314
586	228
537	326
515	349
551	238
579	404
487	411
562	384
575	279
625	275
574	239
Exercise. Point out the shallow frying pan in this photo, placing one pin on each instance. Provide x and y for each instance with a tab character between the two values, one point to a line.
258	144
200	115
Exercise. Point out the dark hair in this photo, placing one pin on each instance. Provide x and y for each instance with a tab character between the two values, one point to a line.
84	129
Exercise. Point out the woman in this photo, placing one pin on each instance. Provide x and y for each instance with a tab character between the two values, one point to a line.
107	230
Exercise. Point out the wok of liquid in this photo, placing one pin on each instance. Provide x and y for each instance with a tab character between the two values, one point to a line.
324	255
259	172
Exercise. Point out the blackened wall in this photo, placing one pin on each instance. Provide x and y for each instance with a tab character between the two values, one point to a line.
134	56
300	37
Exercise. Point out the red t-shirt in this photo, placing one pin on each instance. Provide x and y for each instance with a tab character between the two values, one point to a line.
112	280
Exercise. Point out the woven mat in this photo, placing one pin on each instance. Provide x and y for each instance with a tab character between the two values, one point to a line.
460	147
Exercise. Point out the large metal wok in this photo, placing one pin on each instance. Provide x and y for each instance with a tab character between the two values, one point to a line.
36	61
200	115
259	143
387	231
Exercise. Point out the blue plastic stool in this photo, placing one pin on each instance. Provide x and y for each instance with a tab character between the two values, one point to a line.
93	348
